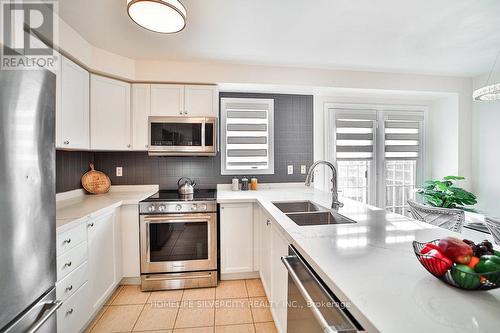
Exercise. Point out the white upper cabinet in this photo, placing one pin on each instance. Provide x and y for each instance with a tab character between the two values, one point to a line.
201	101
141	110
73	123
167	100
171	100
109	114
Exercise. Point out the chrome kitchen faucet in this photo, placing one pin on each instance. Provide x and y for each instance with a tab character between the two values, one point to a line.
336	204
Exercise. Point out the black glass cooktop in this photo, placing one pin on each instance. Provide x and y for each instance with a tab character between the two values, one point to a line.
173	195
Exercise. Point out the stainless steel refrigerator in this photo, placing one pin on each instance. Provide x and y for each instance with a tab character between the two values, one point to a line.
27	201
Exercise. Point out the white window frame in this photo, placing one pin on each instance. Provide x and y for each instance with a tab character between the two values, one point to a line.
270	136
377	173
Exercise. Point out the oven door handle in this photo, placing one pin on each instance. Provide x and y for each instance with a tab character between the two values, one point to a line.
177	218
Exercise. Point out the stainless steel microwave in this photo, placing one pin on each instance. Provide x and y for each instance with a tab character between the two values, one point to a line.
182	136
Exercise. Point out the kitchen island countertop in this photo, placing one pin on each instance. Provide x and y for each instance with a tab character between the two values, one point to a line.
371	266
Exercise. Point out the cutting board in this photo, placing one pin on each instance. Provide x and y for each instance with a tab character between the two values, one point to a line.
95	182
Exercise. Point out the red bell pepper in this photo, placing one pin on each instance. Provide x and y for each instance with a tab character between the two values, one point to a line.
428	247
436	262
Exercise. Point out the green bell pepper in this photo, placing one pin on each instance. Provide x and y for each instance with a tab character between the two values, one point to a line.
465	277
488	263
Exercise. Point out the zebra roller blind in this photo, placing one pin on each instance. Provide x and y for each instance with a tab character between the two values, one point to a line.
355	134
247	136
402	135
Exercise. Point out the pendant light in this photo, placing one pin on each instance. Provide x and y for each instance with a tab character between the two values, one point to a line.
490	92
163	16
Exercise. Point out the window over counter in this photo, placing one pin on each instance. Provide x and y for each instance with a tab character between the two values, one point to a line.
378	154
247	136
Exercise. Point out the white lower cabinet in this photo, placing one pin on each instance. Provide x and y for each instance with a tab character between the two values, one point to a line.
236	238
74	313
265	251
279	278
247	238
89	268
101	248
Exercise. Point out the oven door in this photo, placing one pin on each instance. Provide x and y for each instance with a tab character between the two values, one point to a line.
182	136
178	243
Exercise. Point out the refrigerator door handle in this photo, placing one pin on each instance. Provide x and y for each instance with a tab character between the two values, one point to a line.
50	308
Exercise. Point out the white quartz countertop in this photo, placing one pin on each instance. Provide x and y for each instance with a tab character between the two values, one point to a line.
72	207
371	266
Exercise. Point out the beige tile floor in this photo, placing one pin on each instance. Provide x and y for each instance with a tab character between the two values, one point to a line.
237	306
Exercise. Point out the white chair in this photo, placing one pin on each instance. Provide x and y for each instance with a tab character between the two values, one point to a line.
494	228
448	218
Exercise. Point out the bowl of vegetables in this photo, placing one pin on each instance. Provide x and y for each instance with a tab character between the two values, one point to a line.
461	263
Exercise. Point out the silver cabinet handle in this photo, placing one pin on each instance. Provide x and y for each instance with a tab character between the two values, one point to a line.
66	142
69	288
68	264
70	311
147	146
90	225
180	112
67	241
128	146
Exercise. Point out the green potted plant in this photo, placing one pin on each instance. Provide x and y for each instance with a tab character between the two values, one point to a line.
443	193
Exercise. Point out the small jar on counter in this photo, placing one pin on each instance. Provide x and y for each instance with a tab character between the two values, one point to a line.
244	183
253	183
235	184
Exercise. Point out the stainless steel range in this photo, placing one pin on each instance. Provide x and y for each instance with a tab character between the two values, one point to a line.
178	236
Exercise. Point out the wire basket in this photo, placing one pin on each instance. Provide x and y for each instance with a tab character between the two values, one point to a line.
454	276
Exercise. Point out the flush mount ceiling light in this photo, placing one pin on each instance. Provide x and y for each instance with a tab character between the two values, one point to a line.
163	16
490	92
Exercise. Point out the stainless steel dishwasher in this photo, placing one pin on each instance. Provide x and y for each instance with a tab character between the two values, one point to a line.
312	307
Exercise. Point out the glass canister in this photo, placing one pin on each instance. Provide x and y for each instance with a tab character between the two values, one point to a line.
244	183
253	183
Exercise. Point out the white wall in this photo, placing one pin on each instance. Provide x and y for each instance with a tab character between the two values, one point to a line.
486	154
443	134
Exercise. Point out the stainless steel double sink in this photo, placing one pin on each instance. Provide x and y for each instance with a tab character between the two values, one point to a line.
306	213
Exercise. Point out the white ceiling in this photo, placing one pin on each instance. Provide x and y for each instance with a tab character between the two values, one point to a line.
444	37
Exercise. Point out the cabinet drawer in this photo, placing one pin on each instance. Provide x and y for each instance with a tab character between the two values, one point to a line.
70	284
71	238
67	262
74	313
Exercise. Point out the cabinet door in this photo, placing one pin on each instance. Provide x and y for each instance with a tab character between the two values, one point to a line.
74	313
74	122
265	250
110	114
279	278
101	261
201	101
236	238
141	109
167	100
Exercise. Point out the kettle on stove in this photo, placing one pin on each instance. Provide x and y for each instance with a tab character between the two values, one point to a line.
185	186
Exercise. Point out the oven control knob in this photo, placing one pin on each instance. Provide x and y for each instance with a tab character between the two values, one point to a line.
194	206
151	208
203	207
162	208
178	207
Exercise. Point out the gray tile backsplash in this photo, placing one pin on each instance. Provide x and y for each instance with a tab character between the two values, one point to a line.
293	135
